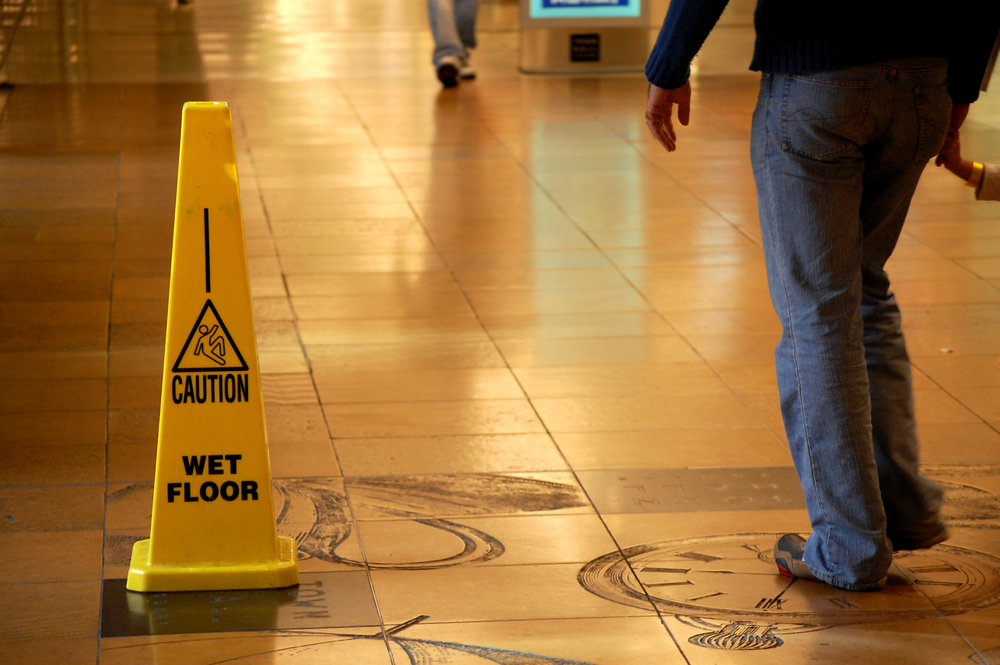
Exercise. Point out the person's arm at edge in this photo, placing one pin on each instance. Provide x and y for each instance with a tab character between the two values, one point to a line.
685	28
971	50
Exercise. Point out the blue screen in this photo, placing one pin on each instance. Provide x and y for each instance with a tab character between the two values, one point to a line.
584	8
584	3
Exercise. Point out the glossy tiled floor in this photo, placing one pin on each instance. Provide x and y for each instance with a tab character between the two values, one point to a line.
517	360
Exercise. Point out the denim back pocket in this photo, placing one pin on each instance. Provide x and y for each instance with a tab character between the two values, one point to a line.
823	118
933	119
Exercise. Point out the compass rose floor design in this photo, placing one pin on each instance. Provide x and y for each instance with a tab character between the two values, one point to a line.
517	361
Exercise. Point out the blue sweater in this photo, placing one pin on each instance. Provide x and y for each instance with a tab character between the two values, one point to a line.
816	35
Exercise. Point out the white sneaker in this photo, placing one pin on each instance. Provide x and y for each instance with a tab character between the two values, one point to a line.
465	71
448	71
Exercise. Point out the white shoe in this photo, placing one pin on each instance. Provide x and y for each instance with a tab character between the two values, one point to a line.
448	71
465	71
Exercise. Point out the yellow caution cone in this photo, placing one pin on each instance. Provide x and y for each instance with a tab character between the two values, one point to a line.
213	522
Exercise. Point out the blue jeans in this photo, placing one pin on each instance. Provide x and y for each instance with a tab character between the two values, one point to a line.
453	23
836	158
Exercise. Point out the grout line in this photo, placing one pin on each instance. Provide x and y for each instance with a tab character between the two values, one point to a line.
330	438
319	403
107	418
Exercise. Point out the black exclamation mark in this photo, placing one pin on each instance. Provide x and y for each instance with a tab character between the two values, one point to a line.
208	265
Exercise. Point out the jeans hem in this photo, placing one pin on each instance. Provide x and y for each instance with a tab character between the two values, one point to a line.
849	586
449	52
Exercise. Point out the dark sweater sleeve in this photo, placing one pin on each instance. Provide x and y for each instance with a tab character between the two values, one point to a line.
971	50
684	30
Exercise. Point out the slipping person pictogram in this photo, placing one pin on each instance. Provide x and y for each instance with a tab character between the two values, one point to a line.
216	346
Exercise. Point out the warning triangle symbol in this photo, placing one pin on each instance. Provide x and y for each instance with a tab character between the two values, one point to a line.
210	347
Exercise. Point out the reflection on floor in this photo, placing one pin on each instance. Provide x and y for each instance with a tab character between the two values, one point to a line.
517	360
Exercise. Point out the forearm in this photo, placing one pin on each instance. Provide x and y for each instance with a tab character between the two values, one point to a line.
684	30
963	169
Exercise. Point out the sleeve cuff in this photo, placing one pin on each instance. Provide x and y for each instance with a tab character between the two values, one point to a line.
667	77
989	188
959	97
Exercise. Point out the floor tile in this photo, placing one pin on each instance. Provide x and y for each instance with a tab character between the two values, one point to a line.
356	284
72	556
664	449
288	389
282	361
937	406
590	351
610	414
49	365
620	380
529	278
54	427
71	652
301	459
49	611
363	263
130	462
951	371
134	392
525	539
54	508
64	280
958	442
445	496
511	303
276	334
320	600
984	402
497	453
138	362
389	306
306	647
55	395
491	593
417	386
379	420
420	354
51	464
616	641
391	331
561	326
685	490
888	642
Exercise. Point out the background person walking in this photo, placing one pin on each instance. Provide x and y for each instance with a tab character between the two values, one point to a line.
453	24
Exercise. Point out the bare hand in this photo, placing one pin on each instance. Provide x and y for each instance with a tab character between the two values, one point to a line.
958	115
951	159
660	108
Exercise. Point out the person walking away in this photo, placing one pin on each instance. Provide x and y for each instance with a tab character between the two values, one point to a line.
453	24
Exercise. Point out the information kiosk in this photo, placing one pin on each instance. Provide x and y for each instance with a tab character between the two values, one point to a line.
566	36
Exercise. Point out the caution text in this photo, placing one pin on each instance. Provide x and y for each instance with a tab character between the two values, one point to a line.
211	388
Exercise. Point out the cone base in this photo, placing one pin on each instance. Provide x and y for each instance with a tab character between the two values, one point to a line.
146	577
